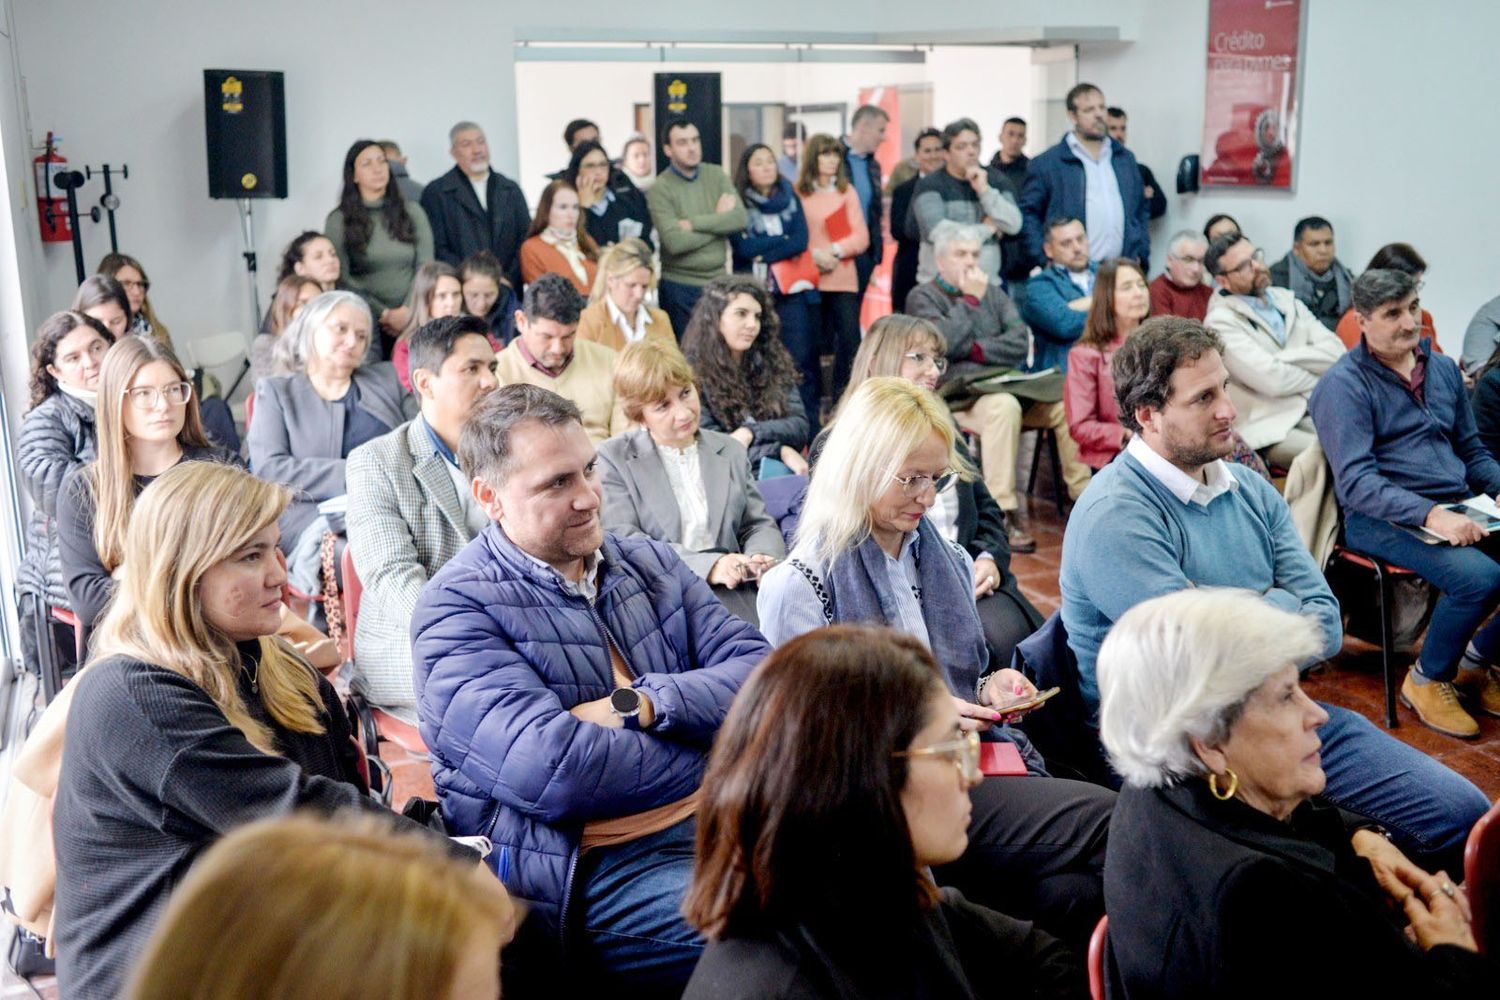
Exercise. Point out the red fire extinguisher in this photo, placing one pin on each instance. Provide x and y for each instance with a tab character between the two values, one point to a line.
51	203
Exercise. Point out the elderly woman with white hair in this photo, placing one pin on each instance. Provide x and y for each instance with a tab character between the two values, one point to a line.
306	423
866	552
1226	876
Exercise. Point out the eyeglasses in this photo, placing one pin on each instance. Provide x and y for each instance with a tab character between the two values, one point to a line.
1255	259
964	752
144	286
144	397
915	486
920	359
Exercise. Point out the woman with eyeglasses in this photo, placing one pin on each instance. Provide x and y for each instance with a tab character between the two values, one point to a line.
613	208
132	278
867	551
148	422
847	736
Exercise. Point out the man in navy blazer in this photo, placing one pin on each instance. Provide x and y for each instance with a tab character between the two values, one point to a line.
1087	176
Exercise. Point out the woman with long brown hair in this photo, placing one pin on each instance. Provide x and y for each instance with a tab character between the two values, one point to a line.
190	718
556	243
885	776
836	234
132	278
148	422
746	379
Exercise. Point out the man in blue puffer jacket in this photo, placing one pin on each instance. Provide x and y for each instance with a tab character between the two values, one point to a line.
569	686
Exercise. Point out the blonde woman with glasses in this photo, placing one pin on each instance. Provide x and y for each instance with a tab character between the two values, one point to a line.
866	552
147	419
189	720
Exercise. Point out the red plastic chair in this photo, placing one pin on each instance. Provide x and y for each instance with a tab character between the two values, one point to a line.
68	618
1385	576
1482	880
1096	958
377	723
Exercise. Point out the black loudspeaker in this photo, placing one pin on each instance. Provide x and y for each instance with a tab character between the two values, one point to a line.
694	96
245	115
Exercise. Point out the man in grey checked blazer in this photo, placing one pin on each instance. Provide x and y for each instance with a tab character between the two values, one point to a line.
410	509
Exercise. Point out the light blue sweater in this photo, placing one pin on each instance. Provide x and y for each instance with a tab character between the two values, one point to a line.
1130	539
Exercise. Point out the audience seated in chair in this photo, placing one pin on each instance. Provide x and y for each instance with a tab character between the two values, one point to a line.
190	719
689	487
1169	515
1220	833
1312	271
569	684
613	209
131	276
618	313
548	354
556	243
866	551
308	422
1057	298
147	420
309	255
325	907
1396	257
747	382
1179	290
785	915
1395	423
436	293
57	437
381	239
411	507
291	295
1275	350
488	296
984	333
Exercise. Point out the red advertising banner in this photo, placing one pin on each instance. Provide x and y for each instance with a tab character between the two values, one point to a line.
1250	99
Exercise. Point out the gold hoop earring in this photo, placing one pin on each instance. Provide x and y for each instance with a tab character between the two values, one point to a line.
1228	793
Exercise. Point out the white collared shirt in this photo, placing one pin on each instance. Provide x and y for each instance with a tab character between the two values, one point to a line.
685	475
1218	480
587	588
1103	205
633	331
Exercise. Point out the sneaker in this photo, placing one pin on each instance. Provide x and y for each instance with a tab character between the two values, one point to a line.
1020	539
1436	704
1480	687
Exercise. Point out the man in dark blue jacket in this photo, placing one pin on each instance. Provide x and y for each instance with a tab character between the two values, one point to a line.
1395	424
1091	177
569	686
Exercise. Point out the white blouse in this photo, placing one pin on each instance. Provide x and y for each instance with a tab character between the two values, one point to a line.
685	474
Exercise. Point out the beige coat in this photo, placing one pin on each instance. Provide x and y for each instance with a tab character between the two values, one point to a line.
1270	382
588	381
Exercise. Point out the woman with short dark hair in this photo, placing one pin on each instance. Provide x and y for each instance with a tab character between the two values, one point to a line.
838	779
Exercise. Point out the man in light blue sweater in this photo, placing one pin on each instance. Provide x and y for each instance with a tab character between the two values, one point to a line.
1169	513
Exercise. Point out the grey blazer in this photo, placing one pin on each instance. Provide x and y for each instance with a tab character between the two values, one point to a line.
405	521
638	498
297	436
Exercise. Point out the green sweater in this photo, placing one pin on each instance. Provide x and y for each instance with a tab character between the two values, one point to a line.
384	272
698	255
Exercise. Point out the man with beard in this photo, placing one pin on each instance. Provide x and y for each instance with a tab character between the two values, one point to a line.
473	207
1091	177
1274	349
964	192
1170	513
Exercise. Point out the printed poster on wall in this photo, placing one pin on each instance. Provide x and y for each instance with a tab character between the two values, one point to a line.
1250	103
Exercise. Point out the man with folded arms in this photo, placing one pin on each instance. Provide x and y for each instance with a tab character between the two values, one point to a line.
1395	423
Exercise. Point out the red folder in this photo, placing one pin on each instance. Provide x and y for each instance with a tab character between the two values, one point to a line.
796	274
839	227
1002	758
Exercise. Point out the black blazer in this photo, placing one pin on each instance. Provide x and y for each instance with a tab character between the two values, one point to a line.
1216	899
460	228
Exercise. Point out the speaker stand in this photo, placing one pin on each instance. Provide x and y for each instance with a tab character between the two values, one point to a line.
247	233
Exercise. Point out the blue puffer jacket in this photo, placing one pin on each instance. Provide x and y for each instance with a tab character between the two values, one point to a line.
500	652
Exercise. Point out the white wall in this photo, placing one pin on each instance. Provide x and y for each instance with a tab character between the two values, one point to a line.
1395	140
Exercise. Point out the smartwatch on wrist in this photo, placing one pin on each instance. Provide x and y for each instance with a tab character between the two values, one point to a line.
625	702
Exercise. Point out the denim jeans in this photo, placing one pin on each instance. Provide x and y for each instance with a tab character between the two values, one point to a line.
1468	577
632	912
1427	807
797	315
677	301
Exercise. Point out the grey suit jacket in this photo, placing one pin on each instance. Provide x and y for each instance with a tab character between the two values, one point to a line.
638	498
297	436
405	521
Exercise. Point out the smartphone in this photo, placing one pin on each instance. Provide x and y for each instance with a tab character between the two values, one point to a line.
1026	706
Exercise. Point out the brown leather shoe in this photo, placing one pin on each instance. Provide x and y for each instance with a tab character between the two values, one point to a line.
1481	689
1015	532
1436	704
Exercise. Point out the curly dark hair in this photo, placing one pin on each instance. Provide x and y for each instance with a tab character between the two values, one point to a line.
295	250
358	224
1144	364
755	386
44	350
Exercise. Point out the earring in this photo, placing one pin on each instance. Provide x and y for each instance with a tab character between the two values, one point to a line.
1228	793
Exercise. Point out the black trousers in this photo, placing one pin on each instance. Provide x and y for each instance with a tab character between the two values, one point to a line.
1006	618
1036	852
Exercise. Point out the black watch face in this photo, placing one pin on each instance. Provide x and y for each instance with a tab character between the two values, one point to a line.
625	701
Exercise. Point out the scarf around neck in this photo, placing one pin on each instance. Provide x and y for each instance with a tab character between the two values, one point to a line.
1304	283
860	590
89	396
567	245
